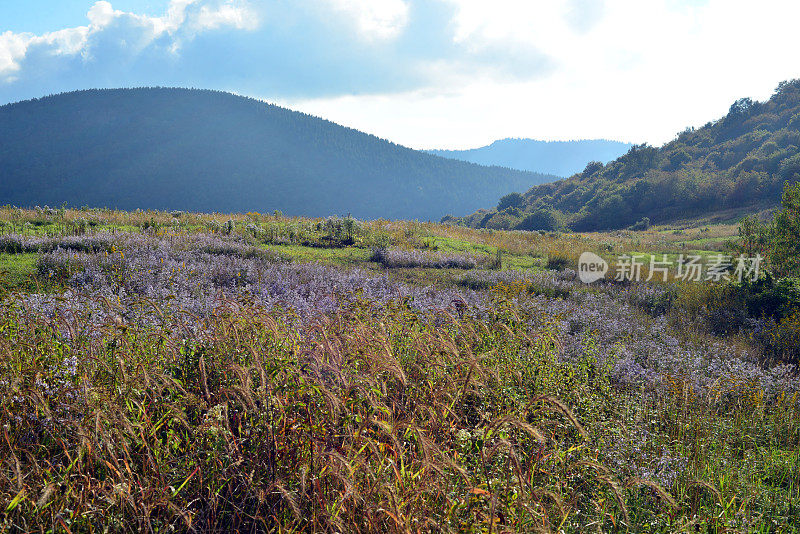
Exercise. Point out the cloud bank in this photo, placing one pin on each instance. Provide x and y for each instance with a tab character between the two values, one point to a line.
435	73
117	34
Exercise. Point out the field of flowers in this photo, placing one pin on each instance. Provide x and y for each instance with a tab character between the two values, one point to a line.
187	372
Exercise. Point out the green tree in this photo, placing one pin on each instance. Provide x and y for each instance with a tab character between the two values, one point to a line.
511	200
501	221
591	168
785	253
540	219
753	236
676	159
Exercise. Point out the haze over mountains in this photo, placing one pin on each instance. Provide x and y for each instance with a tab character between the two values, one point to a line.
740	161
181	149
562	158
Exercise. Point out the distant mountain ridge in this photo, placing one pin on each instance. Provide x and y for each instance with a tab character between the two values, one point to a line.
740	162
198	150
562	158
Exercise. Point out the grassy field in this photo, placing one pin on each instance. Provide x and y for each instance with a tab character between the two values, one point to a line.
188	372
17	270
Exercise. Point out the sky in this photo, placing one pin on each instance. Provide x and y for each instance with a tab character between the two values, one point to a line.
423	73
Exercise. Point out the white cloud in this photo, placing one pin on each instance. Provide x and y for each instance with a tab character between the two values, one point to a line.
635	71
101	14
15	46
12	48
109	28
226	15
470	72
375	19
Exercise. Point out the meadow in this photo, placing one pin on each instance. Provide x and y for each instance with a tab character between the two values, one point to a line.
253	372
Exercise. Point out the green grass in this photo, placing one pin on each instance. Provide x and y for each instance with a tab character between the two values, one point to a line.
330	256
449	244
510	261
17	270
379	419
514	261
360	256
716	242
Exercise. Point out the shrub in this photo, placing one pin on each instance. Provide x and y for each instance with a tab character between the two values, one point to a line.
727	308
783	340
501	221
768	297
541	219
720	307
558	262
641	224
784	251
511	200
12	244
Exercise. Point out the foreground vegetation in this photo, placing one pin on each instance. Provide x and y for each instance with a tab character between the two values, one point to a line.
196	372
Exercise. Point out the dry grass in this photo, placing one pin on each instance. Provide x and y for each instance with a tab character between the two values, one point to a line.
375	418
372	420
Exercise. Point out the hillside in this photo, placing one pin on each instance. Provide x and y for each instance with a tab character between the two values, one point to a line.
562	158
181	149
740	161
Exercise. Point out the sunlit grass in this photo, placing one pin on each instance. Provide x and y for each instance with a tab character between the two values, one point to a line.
332	256
173	397
17	270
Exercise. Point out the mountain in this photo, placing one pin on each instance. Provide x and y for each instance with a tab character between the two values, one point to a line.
562	158
740	161
193	150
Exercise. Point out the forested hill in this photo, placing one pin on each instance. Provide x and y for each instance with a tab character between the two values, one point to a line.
181	149
562	158
739	161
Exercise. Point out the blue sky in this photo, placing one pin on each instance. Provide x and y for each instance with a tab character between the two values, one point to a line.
424	73
42	16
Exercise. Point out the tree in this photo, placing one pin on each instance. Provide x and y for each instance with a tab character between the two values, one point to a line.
741	106
678	158
790	166
511	200
753	236
785	253
501	221
591	168
540	219
641	225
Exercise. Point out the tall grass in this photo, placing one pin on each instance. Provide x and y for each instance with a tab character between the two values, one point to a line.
374	419
168	379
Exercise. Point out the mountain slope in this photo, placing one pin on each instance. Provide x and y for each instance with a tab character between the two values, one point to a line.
740	161
182	149
562	158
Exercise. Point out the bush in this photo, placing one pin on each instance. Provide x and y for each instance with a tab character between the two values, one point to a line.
501	221
784	250
558	262
12	245
641	224
511	200
783	340
591	168
768	308
767	297
720	307
540	219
